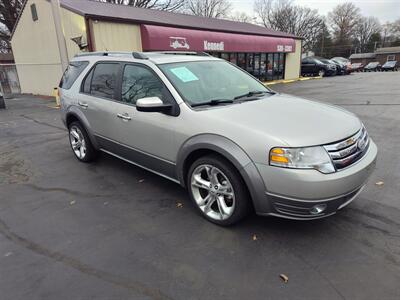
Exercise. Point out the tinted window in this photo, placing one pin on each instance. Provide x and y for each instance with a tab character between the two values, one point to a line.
104	80
139	82
87	82
71	73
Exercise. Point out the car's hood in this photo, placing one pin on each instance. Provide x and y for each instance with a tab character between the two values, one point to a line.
295	121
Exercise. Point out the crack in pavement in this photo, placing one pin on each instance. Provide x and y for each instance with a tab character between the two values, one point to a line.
43	123
126	283
66	191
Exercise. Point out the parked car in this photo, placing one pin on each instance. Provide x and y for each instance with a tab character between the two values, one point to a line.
373	66
357	67
340	68
208	125
390	66
317	66
347	67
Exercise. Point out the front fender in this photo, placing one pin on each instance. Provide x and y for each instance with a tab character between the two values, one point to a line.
78	114
233	153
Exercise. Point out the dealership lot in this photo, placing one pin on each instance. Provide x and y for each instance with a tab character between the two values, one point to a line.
109	230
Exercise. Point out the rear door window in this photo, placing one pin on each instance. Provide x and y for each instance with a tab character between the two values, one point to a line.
104	80
71	73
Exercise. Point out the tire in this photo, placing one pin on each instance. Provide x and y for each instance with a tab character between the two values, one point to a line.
80	143
219	194
322	73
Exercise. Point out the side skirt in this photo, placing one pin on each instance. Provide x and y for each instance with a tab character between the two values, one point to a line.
138	158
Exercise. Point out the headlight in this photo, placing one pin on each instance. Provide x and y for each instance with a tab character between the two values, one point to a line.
302	158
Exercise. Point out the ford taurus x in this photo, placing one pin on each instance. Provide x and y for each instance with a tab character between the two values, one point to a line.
209	126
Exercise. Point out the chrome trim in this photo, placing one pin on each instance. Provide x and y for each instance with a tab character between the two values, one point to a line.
347	152
314	200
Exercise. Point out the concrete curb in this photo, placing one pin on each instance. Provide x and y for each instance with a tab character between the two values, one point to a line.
290	80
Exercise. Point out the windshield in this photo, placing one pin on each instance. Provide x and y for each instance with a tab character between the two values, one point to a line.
389	64
340	59
204	81
372	64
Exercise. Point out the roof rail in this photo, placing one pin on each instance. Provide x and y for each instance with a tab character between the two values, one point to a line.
135	54
139	55
183	53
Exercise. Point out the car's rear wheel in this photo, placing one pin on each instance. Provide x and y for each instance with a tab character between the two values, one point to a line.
80	143
217	190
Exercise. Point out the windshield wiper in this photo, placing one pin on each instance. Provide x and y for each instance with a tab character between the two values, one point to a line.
252	94
213	102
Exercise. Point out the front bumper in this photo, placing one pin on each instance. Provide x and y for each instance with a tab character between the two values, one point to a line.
292	193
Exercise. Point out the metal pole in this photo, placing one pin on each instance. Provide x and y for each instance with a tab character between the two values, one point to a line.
62	46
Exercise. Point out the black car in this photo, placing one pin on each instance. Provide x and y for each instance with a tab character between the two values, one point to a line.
345	64
317	66
390	66
340	68
372	66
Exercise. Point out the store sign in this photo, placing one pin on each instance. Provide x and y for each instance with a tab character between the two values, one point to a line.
284	48
160	38
214	46
176	42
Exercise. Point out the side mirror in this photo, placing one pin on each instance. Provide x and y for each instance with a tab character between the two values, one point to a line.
152	104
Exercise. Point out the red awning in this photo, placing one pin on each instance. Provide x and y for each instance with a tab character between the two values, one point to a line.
160	38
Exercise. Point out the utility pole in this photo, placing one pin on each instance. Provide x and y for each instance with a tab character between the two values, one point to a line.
62	46
323	42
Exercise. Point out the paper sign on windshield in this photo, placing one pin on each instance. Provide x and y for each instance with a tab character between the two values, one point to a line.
184	74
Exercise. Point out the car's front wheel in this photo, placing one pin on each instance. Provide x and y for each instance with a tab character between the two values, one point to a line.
321	73
217	190
80	143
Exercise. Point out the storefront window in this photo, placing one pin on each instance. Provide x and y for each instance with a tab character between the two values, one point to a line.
225	56
270	60
232	58
241	61
281	65
265	66
250	63
256	64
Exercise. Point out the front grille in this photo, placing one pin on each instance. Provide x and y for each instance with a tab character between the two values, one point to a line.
350	150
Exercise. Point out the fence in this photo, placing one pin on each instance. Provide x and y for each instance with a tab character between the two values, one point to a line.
9	82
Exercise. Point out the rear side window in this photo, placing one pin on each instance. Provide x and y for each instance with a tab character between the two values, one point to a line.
71	73
103	81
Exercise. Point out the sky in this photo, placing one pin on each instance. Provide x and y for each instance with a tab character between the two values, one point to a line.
384	10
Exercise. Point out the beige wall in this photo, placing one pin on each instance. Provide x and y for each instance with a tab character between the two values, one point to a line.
293	63
116	36
73	26
35	50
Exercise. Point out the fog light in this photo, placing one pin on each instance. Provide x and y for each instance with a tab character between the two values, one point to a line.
317	209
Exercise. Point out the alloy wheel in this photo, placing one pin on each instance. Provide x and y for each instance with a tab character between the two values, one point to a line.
78	143
213	192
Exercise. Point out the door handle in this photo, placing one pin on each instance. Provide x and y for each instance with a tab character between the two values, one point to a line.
124	117
85	105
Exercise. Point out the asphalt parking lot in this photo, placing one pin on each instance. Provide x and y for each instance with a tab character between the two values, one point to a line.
110	230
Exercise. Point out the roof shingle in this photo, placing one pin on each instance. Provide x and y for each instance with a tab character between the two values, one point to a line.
156	17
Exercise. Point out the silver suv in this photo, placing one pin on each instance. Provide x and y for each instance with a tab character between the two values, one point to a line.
216	130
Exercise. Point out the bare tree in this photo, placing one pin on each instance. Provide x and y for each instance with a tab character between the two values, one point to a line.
9	11
241	17
167	5
365	30
343	20
209	8
285	16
